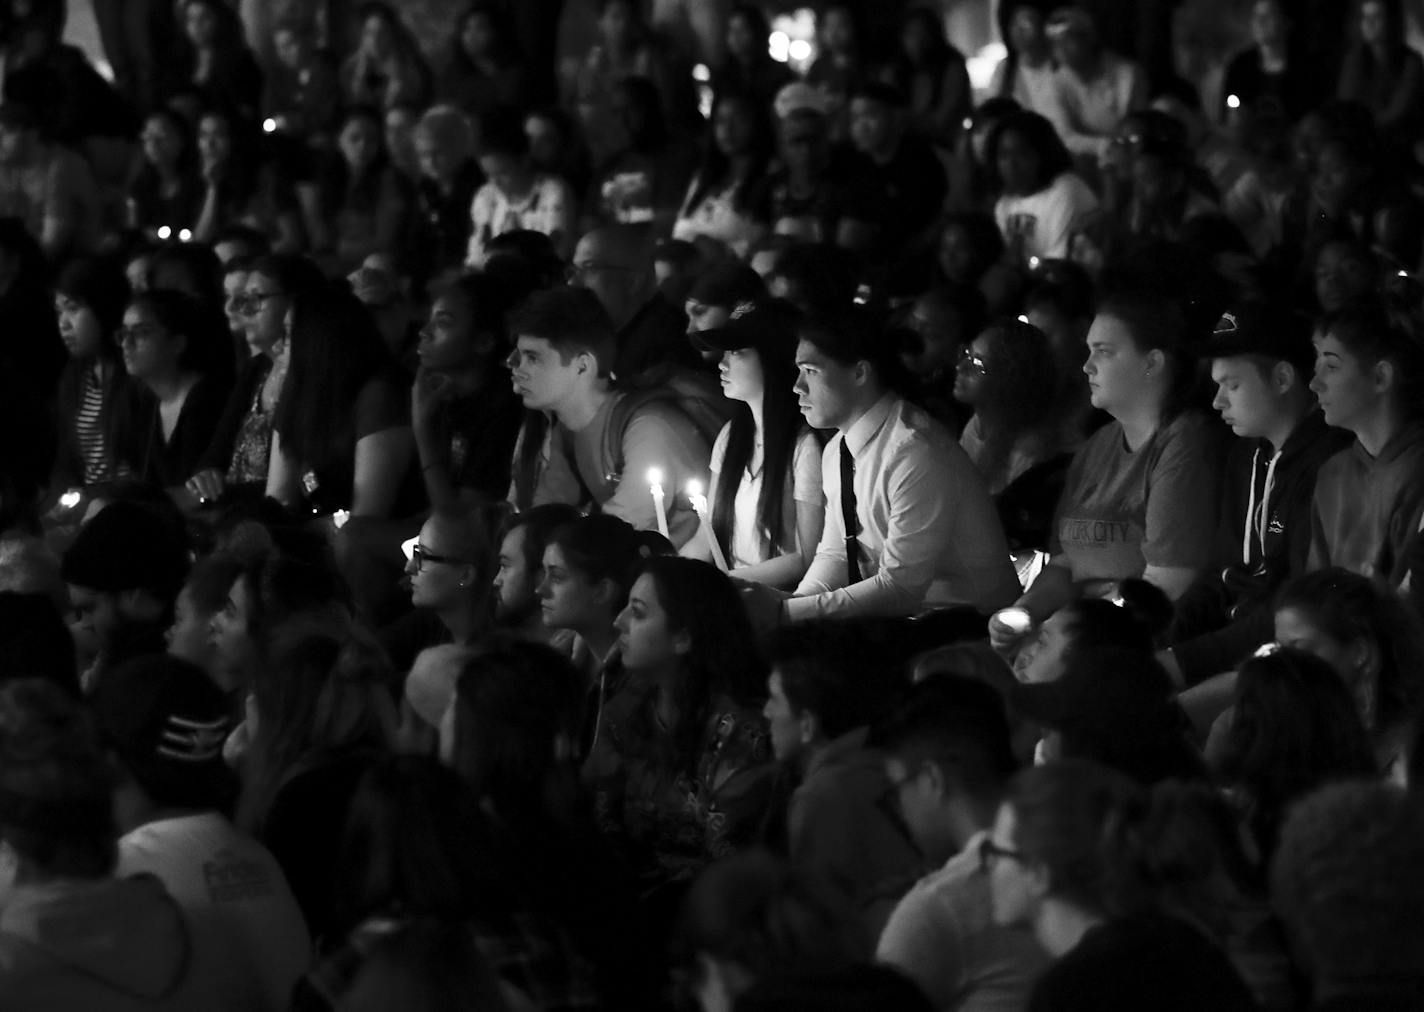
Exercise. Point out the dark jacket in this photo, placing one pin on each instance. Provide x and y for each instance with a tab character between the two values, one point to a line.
1227	613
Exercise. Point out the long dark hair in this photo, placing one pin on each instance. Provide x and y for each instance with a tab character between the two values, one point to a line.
701	602
504	53
204	351
782	427
1041	135
363	191
603	547
716	166
335	350
903	70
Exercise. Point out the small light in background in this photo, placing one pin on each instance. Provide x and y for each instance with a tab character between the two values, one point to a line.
269	125
70	499
1233	102
981	66
1023	319
185	235
800	51
164	232
793	39
779	46
701	73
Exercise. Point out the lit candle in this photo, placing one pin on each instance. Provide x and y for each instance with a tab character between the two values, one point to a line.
70	499
699	506
339	518
655	486
1233	102
1016	620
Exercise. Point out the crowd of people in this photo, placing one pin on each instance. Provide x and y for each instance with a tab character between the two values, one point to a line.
619	525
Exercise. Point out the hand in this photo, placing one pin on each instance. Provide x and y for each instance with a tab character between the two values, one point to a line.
1004	637
206	486
431	392
763	604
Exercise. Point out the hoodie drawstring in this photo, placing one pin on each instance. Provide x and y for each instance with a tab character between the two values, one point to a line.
1258	519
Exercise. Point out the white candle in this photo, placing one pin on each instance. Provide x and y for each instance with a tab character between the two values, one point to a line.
655	486
699	506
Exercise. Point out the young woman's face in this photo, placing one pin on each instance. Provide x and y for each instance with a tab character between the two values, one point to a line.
234	649
1341	274
1026	29
78	327
264	312
234	287
1043	656
566	597
705	316
1346	386
648	642
214	140
732	129
448	341
360	143
1018	164
1115	368
160	141
149	351
741	375
970	371
1353	660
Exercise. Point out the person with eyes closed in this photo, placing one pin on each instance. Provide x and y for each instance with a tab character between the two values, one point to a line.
236	459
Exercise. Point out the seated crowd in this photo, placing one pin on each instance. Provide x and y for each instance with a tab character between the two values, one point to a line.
594	518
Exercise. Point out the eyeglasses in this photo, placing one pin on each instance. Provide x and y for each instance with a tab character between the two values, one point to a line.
251	303
971	362
420	555
990	852
141	334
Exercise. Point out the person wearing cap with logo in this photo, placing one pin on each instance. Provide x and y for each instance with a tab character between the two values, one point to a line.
1093	87
164	723
767	510
909	523
1261	361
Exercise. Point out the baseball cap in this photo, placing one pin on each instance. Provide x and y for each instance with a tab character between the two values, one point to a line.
129	546
727	285
168	721
769	324
1279	335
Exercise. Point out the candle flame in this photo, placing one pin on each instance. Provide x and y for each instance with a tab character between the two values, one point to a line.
655	476
694	488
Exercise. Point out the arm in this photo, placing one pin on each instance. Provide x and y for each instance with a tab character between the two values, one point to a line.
283	481
1171	580
382	459
564	214
430	391
922	941
60	208
787	570
669	442
207	224
1051	591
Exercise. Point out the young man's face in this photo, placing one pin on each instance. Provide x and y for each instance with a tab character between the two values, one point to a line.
1246	396
872	126
825	389
514	581
542	379
1346	386
94	618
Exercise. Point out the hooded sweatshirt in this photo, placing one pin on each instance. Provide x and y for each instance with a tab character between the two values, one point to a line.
105	945
1367	509
1265	531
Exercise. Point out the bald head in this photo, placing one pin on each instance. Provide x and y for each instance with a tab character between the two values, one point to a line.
615	263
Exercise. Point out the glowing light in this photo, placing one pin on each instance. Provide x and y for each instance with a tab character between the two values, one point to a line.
655	476
408	547
1033	263
269	125
969	122
339	518
1023	319
694	489
185	235
799	50
1402	274
1233	102
701	73
164	231
778	44
70	499
981	65
1016	620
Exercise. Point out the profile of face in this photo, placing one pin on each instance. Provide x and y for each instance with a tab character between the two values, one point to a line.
399	127
477	35
94	619
646	637
360	143
1248	397
567	598
826	390
541	377
1349	389
515	581
436	161
606	271
616	23
234	651
265	308
188	636
732	129
742	43
149	351
377	39
1117	370
741	375
970	372
214	140
1374	23
957	257
448	342
1268	23
234	287
200	24
1043	657
438	577
79	327
788	729
1026	29
706	316
1342	273
161	142
1018	164
1356	661
1015	887
872	126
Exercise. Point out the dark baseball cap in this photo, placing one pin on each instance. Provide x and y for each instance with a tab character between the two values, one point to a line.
770	324
727	285
1279	335
168	721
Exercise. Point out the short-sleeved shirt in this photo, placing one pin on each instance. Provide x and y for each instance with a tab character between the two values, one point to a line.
751	544
548	208
1125	510
1041	224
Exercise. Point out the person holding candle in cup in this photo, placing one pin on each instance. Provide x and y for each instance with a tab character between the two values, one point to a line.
767	509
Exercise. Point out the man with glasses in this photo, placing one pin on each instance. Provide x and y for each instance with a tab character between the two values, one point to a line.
949	760
818	701
615	263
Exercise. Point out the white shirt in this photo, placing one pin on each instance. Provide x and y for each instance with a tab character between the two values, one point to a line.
929	536
247	927
549	208
1042	224
1089	111
1034	88
749	540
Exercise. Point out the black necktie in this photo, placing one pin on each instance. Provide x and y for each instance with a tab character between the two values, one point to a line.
848	517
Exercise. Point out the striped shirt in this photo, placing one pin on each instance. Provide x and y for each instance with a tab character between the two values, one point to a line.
89	431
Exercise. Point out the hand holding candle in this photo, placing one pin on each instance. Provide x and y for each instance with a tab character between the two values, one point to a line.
699	506
655	486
